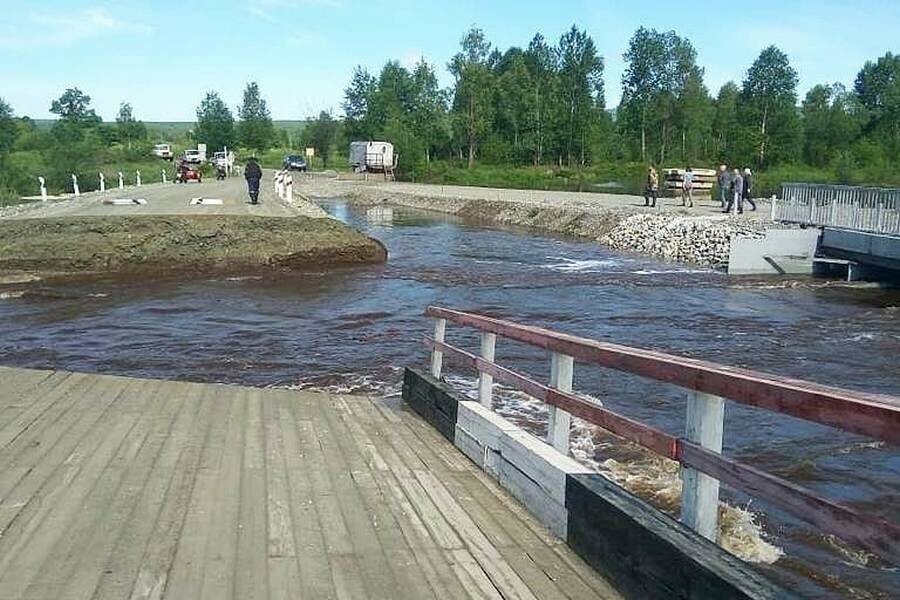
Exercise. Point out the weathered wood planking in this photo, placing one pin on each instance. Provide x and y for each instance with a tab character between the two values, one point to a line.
115	488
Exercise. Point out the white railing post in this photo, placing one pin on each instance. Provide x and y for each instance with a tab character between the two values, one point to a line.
164	176
102	183
700	492
437	356
43	183
486	380
137	178
289	189
75	185
121	181
562	368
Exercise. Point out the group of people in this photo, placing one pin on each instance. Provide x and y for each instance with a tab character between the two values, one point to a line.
735	188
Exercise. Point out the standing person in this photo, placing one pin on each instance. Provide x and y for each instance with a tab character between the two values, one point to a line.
252	173
748	188
687	188
652	190
724	185
737	193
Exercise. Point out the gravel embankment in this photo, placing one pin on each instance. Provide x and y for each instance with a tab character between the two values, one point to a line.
701	235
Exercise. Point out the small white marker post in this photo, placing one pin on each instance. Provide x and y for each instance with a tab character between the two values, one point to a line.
164	176
43	183
289	189
121	181
699	491
75	185
227	170
562	369
102	183
137	178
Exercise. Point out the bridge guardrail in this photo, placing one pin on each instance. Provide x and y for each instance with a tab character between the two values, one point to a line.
699	452
874	210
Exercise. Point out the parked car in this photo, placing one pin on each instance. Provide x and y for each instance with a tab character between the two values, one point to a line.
163	151
193	157
294	162
185	172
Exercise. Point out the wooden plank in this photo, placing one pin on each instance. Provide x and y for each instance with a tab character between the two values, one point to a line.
139	563
19	384
220	556
35	405
384	463
281	554
309	542
74	481
190	537
77	560
251	572
874	415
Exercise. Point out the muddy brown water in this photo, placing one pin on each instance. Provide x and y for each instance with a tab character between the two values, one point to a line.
353	330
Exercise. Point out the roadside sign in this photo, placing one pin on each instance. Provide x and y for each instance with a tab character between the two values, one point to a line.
310	152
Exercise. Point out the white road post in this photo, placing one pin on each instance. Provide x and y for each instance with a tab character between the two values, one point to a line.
102	183
437	356
43	183
227	169
121	181
699	491
164	176
137	178
562	369
485	380
75	185
289	189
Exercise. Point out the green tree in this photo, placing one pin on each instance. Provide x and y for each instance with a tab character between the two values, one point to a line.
429	109
322	134
515	102
769	105
694	117
878	88
356	105
542	66
581	89
129	129
642	83
8	129
725	123
255	129
76	117
215	123
473	95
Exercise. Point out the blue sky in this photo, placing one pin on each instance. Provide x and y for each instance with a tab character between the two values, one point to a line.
162	56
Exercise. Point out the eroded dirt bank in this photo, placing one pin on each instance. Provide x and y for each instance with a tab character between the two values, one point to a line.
198	243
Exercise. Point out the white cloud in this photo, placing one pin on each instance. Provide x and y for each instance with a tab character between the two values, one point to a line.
273	10
60	29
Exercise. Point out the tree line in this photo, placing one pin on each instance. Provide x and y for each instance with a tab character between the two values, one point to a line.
544	104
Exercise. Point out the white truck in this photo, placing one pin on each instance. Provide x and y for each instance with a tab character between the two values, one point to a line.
375	157
223	159
163	151
192	156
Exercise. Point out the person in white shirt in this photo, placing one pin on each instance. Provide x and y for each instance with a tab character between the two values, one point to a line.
687	188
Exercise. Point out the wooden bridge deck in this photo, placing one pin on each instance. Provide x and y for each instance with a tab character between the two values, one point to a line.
114	488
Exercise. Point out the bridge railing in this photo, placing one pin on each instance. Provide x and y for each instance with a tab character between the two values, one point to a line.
875	210
699	451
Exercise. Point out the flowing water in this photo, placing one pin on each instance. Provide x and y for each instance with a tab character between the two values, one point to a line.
354	329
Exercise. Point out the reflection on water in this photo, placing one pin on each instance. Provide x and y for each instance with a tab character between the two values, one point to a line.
354	329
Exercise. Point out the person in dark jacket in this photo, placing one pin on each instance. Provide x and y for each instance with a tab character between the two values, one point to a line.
736	199
253	173
748	188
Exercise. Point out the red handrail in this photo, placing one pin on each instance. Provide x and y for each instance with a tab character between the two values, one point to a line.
756	389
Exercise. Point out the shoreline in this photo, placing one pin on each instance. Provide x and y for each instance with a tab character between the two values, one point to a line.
699	236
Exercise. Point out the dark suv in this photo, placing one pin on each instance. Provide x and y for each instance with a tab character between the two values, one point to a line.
294	162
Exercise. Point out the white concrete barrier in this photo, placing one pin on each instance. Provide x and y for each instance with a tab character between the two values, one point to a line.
121	181
102	183
75	185
137	178
43	183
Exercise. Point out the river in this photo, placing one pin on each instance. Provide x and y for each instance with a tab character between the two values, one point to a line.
354	329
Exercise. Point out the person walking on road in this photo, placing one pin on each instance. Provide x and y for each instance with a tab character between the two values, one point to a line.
652	190
724	185
687	188
748	188
737	193
253	173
